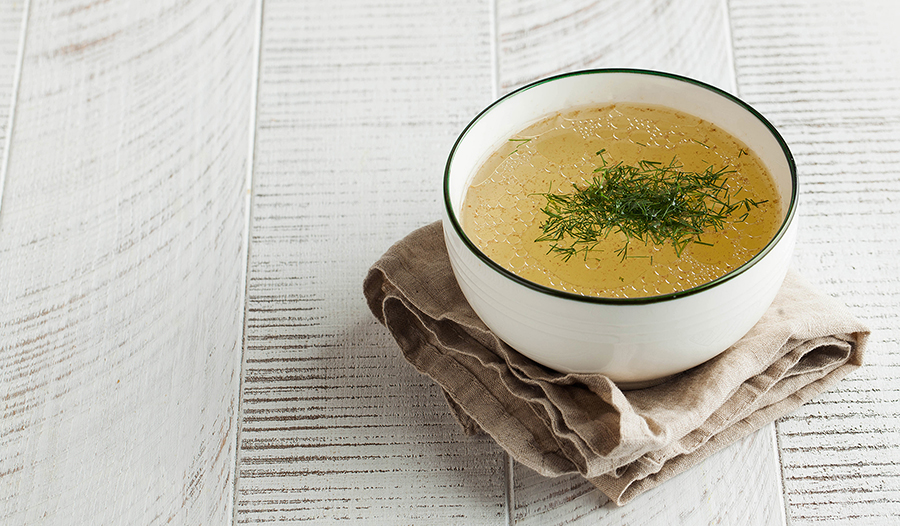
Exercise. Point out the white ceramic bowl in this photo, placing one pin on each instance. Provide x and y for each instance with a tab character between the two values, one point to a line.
632	341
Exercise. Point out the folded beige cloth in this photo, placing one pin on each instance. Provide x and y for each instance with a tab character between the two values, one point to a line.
623	442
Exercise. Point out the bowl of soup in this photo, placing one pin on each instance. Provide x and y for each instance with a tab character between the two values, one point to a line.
622	222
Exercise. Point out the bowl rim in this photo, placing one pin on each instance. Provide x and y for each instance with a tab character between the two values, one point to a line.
786	223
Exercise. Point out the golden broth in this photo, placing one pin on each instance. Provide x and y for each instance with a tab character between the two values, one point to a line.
503	207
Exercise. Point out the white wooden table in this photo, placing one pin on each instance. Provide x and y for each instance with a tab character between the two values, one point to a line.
193	190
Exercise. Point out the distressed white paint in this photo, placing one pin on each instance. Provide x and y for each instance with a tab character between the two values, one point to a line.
687	37
827	73
121	256
741	484
359	103
736	486
12	16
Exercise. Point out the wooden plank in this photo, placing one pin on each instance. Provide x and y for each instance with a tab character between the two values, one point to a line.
734	487
537	39
11	15
827	73
359	104
122	254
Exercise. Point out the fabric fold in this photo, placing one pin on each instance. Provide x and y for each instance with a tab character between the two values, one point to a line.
623	442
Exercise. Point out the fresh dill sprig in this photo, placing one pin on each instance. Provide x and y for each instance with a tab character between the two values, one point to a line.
651	202
703	144
520	141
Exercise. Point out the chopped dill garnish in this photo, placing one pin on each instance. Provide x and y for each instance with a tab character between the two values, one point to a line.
701	143
520	141
651	202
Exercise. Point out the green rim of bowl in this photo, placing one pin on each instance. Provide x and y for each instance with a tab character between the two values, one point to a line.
624	301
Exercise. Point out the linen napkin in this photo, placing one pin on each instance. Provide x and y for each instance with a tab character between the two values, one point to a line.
623	441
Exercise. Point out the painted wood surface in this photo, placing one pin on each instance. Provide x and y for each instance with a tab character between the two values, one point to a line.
537	39
122	255
11	15
738	485
176	348
359	102
827	73
323	386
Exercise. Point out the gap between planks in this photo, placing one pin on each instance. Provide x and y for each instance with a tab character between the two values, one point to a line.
249	202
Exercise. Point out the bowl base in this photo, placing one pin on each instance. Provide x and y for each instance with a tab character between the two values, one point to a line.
643	384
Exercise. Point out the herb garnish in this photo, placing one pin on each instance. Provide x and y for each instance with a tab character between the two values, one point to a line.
520	141
650	202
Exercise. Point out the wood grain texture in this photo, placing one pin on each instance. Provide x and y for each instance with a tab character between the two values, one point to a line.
538	39
827	74
11	14
734	487
121	256
359	104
